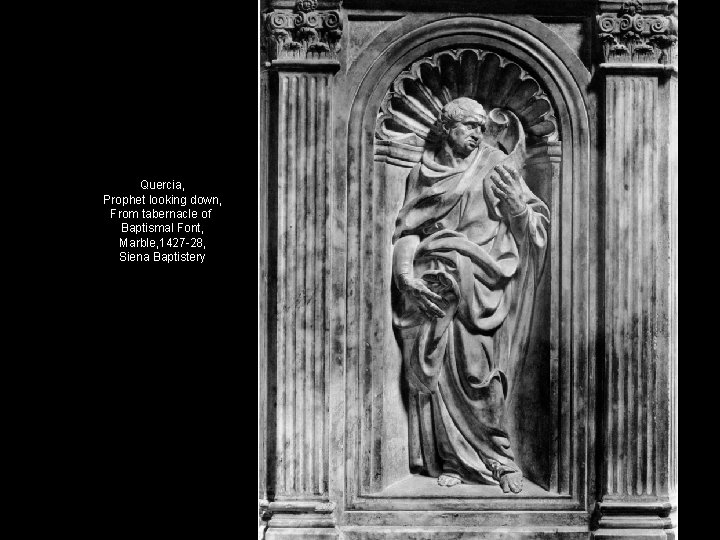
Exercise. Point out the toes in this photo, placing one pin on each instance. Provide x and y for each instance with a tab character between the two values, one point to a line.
447	480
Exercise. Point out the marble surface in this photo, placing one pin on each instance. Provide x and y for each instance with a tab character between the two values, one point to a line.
601	434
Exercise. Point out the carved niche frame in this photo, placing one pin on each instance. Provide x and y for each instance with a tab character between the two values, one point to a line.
572	261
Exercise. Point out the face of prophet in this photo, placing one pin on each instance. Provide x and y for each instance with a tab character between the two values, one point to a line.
466	135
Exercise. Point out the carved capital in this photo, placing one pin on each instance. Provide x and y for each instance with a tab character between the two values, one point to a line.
303	34
630	36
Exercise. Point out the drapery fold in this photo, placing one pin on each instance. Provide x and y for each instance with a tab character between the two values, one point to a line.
485	265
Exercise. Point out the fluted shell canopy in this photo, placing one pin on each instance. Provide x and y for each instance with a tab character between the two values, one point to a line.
407	118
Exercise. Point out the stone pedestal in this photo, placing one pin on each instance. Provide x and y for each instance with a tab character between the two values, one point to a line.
597	414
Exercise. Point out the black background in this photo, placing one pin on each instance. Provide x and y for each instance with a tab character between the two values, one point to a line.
165	389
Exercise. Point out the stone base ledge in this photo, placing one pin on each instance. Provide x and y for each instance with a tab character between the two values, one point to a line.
635	534
300	519
465	533
620	519
302	534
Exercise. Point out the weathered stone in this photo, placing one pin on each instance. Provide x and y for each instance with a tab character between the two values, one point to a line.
591	401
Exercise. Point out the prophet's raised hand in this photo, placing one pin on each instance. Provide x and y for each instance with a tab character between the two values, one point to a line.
507	187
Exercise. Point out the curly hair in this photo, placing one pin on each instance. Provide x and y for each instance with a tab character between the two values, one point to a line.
458	109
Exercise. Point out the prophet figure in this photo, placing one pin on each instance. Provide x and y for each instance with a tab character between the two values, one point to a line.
468	251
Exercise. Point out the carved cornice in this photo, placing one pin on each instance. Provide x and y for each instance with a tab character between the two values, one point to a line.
629	36
302	35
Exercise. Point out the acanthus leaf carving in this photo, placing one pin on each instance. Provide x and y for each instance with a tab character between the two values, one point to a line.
302	34
306	5
630	36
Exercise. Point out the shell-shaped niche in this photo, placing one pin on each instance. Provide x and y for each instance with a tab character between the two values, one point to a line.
406	121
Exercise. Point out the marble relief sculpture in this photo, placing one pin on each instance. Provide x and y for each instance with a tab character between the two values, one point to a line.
468	266
468	249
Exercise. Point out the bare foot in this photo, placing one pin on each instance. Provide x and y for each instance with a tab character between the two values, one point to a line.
449	480
511	482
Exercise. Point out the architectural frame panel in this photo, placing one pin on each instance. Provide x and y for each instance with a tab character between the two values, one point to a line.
566	81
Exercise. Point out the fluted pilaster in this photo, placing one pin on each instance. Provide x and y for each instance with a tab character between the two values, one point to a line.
640	369
303	176
300	165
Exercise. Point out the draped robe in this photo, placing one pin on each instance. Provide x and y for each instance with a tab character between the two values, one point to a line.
486	267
